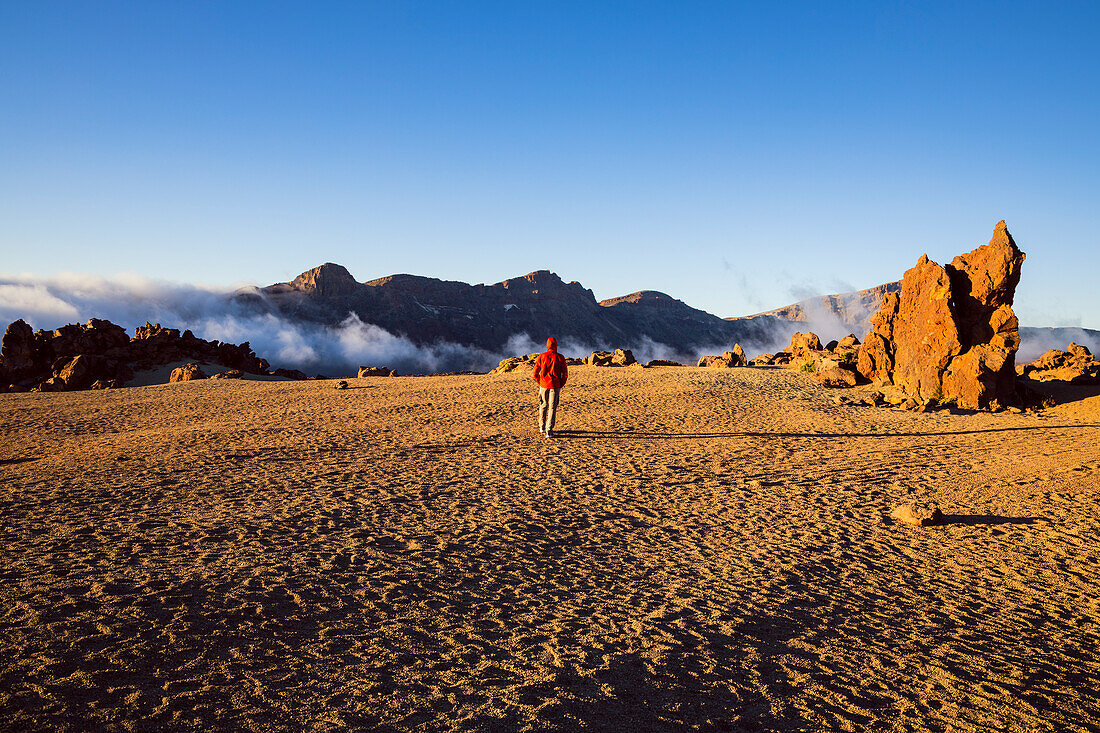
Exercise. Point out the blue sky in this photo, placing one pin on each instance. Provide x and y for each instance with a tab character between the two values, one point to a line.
738	156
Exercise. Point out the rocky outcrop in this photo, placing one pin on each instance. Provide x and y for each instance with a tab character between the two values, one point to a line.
620	358
951	332
100	355
728	359
187	373
802	344
1076	365
369	371
230	374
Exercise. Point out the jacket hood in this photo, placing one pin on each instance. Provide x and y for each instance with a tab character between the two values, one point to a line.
552	344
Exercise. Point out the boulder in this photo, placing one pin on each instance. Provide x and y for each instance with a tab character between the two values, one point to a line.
231	374
728	359
17	353
621	357
1076	366
599	358
506	365
802	343
1080	351
82	370
848	342
835	377
369	371
917	515
662	362
342	384
951	332
53	384
106	384
289	373
187	373
761	360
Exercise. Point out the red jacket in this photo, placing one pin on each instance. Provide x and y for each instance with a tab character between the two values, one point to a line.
550	369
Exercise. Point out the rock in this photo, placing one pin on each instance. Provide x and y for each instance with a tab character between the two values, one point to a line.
918	516
831	346
599	358
53	384
289	373
662	362
761	360
802	343
187	373
1076	366
506	365
623	357
369	371
75	372
848	342
17	353
341	385
835	377
781	358
728	359
16	388
106	384
951	333
1079	351
101	351
231	374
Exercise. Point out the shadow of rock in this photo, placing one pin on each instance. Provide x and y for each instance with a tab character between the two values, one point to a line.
1062	392
990	519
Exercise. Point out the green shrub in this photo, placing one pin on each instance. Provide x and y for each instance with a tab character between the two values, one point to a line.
807	366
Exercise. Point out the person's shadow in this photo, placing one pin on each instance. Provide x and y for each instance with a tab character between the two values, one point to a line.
665	435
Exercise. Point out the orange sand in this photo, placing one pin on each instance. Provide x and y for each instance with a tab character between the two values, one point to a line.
712	553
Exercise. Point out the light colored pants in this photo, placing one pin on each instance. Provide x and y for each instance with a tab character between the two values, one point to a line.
548	408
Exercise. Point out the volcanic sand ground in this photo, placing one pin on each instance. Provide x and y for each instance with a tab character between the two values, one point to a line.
712	552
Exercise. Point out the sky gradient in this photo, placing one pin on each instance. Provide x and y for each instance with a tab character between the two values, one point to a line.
736	156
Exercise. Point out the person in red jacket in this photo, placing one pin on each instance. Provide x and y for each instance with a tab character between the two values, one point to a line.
550	374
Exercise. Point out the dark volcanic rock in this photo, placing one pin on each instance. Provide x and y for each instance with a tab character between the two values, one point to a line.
951	333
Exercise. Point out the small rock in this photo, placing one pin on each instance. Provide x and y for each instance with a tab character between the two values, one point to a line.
919	516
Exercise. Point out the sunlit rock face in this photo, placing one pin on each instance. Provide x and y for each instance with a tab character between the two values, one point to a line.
951	334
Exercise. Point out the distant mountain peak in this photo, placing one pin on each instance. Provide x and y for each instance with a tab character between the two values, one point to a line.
651	297
326	279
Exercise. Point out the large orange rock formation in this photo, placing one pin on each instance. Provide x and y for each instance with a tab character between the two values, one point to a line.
951	333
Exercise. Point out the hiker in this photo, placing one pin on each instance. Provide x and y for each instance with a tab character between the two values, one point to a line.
550	374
